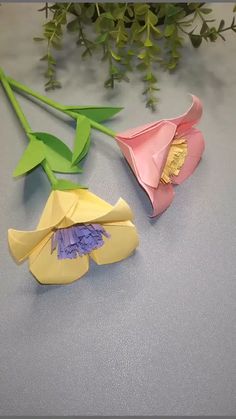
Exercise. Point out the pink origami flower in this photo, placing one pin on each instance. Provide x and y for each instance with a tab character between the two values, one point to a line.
164	153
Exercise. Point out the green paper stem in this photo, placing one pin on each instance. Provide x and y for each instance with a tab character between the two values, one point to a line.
58	106
15	104
52	178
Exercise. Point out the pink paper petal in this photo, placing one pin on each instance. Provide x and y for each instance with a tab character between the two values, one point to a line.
149	151
189	118
196	145
162	198
133	132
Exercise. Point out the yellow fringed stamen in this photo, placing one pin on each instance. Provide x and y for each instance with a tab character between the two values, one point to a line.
175	160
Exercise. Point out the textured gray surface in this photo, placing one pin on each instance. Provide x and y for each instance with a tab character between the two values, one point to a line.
154	334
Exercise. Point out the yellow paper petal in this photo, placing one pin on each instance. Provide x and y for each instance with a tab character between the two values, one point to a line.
22	243
48	269
90	208
57	207
123	241
120	212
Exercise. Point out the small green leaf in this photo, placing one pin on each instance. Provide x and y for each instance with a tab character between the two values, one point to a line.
172	65
38	39
50	25
49	58
32	156
130	10
196	40
77	8
114	70
101	38
153	19
97	114
169	30
115	56
108	15
213	35
142	55
205	10
58	155
204	28
81	137
44	58
221	25
141	9
150	77
172	10
148	42
73	26
89	12
67	185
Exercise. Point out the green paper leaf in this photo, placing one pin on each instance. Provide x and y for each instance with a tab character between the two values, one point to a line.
58	155
85	149
63	185
96	113
81	138
32	157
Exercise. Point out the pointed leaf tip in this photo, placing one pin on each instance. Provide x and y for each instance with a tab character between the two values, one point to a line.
96	113
82	138
32	157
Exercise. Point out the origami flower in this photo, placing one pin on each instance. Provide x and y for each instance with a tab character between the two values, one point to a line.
74	226
163	153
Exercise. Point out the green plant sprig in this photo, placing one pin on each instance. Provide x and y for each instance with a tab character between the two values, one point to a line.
146	36
207	32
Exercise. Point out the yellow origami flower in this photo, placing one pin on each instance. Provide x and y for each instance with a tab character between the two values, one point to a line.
75	225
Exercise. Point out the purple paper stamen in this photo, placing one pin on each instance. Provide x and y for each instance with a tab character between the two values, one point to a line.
78	240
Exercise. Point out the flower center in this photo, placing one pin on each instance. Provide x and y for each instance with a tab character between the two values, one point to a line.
175	159
78	240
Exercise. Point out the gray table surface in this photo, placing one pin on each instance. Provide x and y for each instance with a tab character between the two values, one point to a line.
154	334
